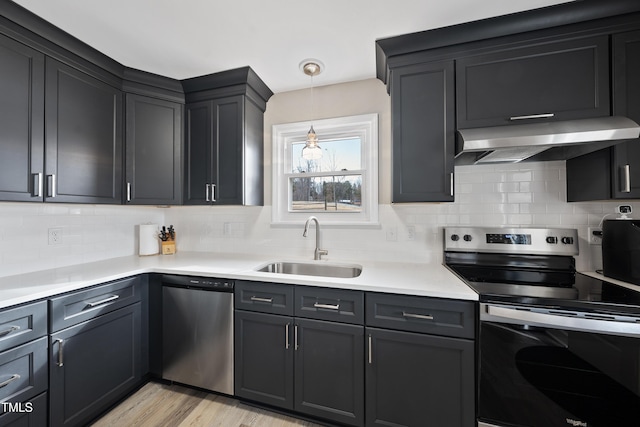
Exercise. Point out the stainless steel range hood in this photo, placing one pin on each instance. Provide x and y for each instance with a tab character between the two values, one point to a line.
558	140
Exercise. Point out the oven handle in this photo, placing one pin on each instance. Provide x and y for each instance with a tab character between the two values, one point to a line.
617	325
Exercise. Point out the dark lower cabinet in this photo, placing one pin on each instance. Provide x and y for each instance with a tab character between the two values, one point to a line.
32	413
93	364
419	380
329	370
264	358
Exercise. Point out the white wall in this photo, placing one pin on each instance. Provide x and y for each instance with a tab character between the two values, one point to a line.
527	194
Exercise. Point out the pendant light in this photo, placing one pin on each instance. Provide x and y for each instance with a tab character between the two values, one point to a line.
311	150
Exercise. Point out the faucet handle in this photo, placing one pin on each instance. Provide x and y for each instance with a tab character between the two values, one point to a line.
319	252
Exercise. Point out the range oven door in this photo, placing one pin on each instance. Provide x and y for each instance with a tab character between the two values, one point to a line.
553	368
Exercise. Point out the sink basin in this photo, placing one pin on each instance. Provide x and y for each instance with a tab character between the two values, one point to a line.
313	269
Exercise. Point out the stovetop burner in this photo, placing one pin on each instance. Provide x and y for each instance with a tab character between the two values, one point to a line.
531	267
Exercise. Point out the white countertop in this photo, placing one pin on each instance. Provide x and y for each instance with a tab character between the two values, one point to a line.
422	279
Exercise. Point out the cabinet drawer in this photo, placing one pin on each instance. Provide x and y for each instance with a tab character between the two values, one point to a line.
418	314
68	310
339	305
27	414
22	324
23	371
264	297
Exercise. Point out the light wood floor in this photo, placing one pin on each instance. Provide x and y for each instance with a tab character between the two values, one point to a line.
163	405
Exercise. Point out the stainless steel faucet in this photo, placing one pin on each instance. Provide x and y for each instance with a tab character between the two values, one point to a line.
317	254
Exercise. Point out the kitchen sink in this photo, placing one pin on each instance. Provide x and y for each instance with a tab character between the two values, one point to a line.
322	269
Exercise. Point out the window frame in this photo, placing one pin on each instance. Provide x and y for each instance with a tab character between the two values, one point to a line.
364	126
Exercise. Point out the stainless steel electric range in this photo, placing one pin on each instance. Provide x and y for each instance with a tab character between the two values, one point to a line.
555	347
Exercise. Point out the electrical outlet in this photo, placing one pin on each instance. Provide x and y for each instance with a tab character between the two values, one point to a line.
595	235
411	232
392	234
55	236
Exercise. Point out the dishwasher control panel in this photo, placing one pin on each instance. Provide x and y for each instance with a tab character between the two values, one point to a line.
209	283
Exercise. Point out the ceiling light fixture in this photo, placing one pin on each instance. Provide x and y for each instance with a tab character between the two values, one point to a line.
311	150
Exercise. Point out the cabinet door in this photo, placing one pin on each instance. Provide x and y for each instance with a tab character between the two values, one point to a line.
92	365
198	153
417	380
422	99
626	102
228	163
329	370
566	79
84	137
21	122
153	154
264	358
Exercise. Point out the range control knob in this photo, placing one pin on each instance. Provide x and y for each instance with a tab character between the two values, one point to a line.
455	237
467	238
567	240
552	240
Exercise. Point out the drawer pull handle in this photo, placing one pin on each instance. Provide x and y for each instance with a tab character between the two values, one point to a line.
259	299
327	306
9	330
532	116
370	350
103	301
417	316
10	380
295	337
60	361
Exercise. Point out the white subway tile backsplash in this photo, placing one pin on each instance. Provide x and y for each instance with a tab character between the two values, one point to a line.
531	194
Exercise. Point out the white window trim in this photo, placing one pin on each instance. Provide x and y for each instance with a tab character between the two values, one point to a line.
366	126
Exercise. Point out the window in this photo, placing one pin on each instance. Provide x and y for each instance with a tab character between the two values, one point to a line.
339	188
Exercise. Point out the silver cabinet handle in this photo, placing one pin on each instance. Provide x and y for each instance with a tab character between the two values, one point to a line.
259	299
286	336
206	192
53	185
327	306
37	184
128	191
10	380
451	177
626	179
103	301
532	116
370	350
60	361
295	337
417	316
213	192
9	330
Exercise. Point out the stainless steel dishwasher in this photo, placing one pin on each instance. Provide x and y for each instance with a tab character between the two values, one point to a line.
197	332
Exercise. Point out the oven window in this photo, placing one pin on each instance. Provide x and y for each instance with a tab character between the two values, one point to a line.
549	377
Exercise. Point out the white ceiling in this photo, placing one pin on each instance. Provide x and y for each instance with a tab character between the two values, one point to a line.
189	38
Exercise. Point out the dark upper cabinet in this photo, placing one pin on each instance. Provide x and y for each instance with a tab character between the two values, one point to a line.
21	122
614	172
153	154
224	152
543	81
224	138
423	132
83	131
